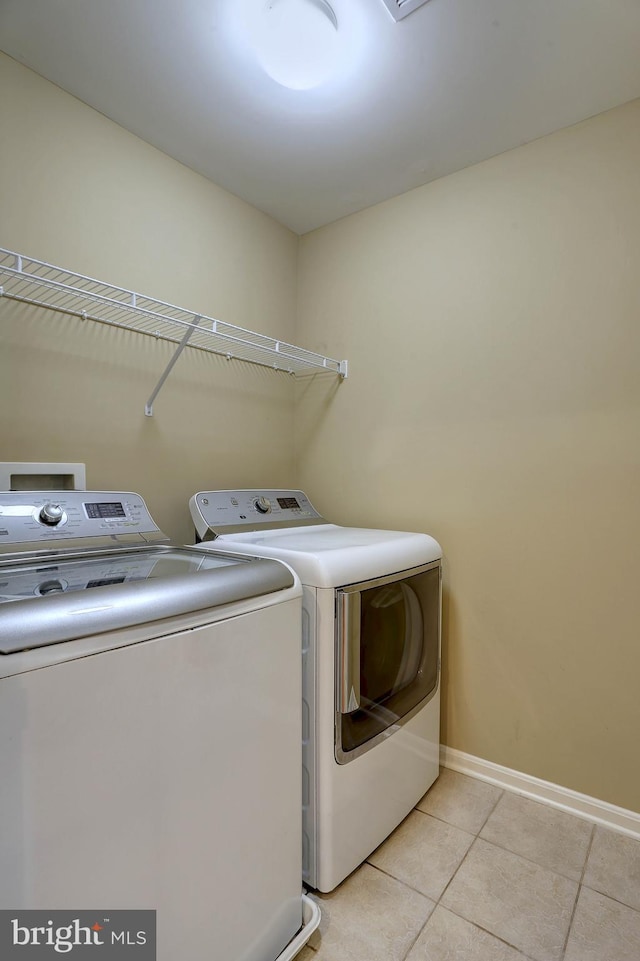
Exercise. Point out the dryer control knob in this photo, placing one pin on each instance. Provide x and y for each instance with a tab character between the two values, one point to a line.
51	514
263	505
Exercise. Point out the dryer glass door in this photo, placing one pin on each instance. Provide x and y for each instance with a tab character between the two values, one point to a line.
388	655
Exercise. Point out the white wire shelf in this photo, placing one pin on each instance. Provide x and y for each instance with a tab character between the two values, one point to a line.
35	282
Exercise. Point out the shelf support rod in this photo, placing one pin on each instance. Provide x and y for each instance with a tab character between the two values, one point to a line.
148	409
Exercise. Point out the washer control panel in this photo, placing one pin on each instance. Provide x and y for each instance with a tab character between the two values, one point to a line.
45	516
220	511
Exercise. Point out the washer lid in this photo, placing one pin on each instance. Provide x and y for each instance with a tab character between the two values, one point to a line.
54	598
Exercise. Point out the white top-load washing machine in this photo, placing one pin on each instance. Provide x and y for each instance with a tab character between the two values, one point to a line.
371	665
149	729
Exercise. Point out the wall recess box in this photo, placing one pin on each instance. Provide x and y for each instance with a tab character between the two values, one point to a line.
399	9
42	477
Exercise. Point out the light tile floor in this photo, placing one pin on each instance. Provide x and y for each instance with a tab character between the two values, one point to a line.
475	873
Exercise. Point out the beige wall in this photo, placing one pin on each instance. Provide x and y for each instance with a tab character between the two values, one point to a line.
79	191
491	322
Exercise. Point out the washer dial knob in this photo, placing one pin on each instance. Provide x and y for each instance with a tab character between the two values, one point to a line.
263	505
51	514
51	587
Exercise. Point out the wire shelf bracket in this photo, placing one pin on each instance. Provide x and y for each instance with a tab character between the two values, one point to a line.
40	284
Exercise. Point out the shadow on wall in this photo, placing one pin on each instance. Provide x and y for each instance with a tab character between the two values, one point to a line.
444	676
314	396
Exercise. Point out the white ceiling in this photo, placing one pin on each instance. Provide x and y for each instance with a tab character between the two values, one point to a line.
455	82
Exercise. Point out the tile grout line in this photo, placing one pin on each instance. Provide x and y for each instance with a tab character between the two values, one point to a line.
575	903
484	823
447	885
443	820
405	884
492	934
413	943
604	894
410	888
611	897
496	844
477	836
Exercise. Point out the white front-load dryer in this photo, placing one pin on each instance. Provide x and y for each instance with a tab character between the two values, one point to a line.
370	660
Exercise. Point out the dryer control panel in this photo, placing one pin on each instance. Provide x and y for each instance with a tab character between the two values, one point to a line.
217	512
43	517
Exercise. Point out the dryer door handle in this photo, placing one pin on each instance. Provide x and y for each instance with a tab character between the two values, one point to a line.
349	651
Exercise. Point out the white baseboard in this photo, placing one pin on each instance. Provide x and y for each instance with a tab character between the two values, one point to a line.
581	805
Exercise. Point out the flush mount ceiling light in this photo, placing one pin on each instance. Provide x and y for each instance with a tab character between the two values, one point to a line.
297	41
402	8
